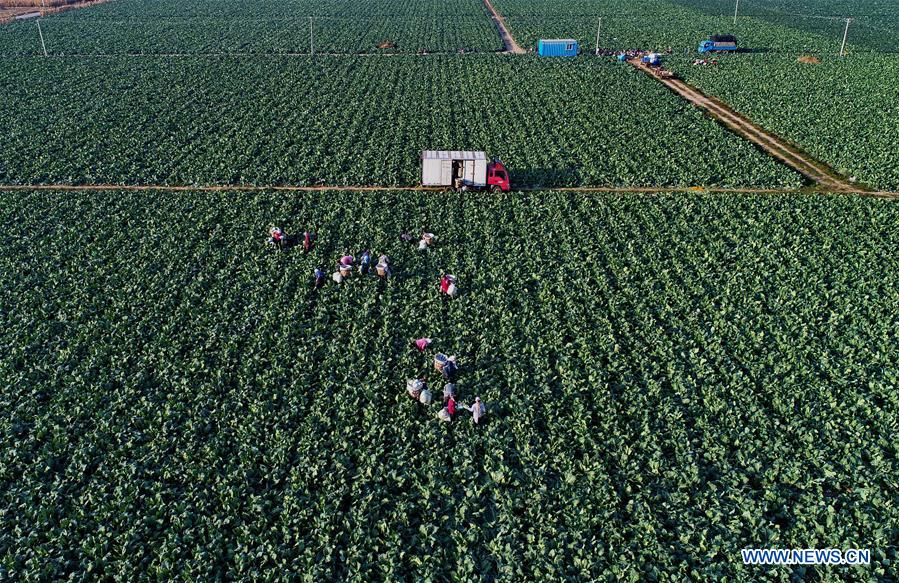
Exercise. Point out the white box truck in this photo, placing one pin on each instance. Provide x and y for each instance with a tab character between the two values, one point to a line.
463	170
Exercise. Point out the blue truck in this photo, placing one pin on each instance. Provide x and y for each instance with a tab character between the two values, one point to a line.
724	43
558	47
652	59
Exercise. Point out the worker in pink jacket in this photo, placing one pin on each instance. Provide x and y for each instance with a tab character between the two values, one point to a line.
422	343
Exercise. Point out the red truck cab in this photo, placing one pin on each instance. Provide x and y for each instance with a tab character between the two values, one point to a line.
497	176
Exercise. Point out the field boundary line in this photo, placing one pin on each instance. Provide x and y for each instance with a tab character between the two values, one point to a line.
509	42
371	188
791	155
15	11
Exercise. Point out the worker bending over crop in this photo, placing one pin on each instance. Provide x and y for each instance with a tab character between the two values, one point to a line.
448	285
449	390
308	241
422	343
277	237
415	387
319	277
446	365
477	410
383	267
365	262
427	239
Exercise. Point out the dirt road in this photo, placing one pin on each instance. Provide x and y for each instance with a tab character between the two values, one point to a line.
818	172
290	188
508	40
9	13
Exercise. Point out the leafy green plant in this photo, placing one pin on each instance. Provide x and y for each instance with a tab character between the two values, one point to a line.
358	121
671	378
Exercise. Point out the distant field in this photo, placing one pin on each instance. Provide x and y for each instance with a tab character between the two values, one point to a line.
681	24
843	111
652	24
353	121
875	23
267	26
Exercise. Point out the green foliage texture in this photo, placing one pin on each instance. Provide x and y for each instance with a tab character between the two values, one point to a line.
670	379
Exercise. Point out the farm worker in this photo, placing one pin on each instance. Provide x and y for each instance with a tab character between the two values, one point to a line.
449	390
422	343
446	365
347	260
451	406
383	266
277	237
319	277
448	285
477	410
449	369
365	262
427	239
415	386
308	241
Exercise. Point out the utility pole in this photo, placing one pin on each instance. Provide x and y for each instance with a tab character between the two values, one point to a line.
41	34
845	34
736	9
598	27
311	46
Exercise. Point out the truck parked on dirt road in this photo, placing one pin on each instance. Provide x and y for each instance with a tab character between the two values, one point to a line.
652	59
463	170
724	43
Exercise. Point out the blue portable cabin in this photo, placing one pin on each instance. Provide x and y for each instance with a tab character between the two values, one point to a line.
559	47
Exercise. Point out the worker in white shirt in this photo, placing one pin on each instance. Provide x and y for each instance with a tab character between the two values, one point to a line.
478	410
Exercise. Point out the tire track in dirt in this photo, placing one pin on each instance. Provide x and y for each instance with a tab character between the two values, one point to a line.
819	173
511	46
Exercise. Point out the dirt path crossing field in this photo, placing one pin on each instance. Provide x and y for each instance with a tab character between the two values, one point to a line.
508	39
9	11
818	172
436	190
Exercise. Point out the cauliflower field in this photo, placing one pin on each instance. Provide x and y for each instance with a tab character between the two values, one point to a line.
669	379
357	121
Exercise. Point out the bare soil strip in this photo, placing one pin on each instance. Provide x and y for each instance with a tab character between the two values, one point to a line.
818	172
508	40
323	188
9	11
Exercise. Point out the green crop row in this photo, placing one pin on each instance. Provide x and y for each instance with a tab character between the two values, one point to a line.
678	24
875	23
356	121
843	111
669	379
229	26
